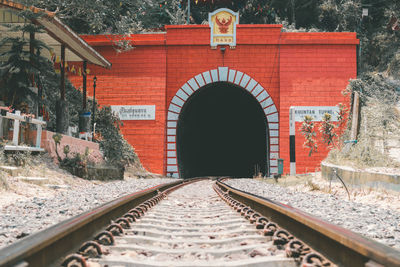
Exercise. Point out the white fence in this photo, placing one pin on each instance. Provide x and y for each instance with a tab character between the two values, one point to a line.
18	118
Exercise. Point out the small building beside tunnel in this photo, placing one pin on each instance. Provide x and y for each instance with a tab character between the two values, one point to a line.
190	108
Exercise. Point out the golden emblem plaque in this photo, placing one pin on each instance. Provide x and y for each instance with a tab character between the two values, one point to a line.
223	23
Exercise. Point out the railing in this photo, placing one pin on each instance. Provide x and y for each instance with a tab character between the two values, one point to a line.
18	118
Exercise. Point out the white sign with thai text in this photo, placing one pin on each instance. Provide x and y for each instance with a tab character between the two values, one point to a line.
143	112
315	112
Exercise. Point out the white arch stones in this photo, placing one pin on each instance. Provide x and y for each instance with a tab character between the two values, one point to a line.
222	74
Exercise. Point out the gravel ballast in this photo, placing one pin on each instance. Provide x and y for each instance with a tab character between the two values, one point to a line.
371	220
21	218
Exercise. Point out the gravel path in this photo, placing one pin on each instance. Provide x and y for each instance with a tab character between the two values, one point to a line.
21	218
371	220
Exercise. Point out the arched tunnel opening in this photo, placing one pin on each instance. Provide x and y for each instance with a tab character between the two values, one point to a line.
222	131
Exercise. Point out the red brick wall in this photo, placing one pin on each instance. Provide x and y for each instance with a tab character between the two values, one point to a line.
296	69
137	77
261	62
312	75
256	55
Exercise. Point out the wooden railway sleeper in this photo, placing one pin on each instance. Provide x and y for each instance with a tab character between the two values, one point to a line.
281	238
294	248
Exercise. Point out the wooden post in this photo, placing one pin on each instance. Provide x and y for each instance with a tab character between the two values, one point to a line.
94	106
39	133
1	127
40	95
354	121
84	75
16	129
62	115
62	69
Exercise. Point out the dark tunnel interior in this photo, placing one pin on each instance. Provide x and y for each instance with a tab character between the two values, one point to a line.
221	132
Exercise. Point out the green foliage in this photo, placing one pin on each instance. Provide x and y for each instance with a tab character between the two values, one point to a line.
21	158
89	16
112	16
51	93
20	66
116	149
3	157
57	140
339	15
17	158
379	123
327	130
77	165
307	129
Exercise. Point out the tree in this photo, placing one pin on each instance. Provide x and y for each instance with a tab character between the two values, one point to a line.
92	16
327	129
21	66
307	129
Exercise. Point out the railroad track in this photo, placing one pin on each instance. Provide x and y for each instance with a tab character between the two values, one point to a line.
196	223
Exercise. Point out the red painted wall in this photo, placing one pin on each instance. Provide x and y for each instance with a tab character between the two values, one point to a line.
137	77
296	69
314	69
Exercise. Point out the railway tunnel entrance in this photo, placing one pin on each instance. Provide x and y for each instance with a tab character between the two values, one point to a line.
222	131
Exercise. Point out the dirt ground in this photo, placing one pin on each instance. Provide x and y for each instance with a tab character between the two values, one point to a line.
13	189
315	184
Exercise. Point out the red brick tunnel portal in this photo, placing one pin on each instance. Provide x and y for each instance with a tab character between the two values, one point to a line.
222	131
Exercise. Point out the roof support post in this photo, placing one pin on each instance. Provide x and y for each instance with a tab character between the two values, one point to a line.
84	116
62	115
31	47
32	76
62	70
84	75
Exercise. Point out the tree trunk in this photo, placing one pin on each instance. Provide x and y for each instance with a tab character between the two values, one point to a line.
62	116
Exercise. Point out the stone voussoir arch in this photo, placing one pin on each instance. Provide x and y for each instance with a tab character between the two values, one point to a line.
222	74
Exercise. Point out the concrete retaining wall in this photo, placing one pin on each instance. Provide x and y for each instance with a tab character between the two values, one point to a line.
76	146
361	178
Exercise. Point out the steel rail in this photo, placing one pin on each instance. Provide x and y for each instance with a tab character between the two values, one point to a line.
339	245
46	247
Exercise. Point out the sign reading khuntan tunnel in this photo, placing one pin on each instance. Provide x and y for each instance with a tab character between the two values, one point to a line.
175	93
223	23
